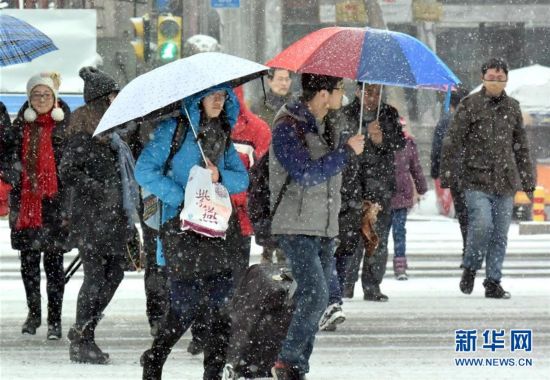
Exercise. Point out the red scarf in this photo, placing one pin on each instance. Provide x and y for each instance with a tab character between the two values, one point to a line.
39	177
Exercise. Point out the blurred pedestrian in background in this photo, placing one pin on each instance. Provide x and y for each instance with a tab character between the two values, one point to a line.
409	184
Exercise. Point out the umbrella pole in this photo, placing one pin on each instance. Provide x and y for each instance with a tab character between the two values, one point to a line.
379	102
361	113
196	137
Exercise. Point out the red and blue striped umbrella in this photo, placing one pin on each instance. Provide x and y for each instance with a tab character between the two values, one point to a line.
21	42
368	55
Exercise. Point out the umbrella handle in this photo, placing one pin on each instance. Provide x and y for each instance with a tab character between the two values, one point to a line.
196	137
362	106
379	102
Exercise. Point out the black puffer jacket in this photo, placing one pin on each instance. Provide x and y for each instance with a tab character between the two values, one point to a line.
53	234
90	167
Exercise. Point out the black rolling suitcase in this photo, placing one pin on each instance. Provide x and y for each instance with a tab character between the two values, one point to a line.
261	311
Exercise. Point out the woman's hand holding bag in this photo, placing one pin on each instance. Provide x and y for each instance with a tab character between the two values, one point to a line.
207	206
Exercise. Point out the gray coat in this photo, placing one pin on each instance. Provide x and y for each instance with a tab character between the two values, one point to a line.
311	202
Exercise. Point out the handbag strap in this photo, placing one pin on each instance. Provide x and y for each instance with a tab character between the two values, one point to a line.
175	144
280	196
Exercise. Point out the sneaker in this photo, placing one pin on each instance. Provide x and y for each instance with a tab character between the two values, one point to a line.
402	277
333	315
282	371
54	331
494	290
467	281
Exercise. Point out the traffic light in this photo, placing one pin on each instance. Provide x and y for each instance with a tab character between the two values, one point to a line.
169	38
142	37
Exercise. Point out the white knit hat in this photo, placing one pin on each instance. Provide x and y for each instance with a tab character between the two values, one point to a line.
52	81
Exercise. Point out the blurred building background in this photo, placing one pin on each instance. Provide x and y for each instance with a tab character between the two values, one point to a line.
464	33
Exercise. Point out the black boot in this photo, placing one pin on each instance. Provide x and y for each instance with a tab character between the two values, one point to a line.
152	361
34	317
467	281
32	322
55	300
83	348
54	331
493	289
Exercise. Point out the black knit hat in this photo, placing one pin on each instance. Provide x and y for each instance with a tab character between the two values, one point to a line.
97	83
318	82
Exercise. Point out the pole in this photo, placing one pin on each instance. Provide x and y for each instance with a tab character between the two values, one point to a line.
362	106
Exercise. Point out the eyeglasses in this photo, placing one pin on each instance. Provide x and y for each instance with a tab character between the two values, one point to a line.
38	96
495	79
218	96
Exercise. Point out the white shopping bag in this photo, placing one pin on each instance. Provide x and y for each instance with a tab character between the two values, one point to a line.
207	207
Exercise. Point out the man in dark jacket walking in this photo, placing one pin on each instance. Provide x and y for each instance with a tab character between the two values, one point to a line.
487	151
375	182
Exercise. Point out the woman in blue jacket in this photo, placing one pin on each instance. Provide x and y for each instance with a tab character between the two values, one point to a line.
199	268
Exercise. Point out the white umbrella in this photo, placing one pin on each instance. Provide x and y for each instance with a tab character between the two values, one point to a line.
530	86
175	81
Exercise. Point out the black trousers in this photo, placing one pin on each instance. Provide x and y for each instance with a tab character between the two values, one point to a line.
374	267
156	280
55	282
103	272
461	211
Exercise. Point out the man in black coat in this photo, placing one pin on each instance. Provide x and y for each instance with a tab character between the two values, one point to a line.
371	178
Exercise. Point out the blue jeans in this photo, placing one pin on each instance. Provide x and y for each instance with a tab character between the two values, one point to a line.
489	218
399	232
311	261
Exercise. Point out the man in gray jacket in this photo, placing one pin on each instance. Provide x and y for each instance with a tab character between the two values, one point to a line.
305	180
486	151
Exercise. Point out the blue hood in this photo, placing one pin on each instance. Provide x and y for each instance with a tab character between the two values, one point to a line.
231	106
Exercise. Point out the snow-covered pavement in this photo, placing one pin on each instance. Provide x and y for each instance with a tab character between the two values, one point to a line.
410	337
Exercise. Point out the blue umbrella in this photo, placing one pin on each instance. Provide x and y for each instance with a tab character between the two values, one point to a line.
21	42
397	59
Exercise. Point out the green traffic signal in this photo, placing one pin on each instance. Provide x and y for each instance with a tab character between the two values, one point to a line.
169	30
168	51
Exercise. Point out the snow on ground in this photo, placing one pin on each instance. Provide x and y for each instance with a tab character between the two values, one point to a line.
410	337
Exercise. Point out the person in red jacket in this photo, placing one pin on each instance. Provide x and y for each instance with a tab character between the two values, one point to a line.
251	137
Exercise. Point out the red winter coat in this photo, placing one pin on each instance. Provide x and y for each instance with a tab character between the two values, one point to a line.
251	137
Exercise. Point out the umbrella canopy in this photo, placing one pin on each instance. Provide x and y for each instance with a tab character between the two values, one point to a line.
530	86
21	42
175	81
367	55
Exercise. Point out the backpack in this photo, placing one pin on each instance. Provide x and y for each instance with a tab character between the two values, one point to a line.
259	202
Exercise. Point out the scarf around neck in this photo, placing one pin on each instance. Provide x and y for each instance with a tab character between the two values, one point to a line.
39	176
